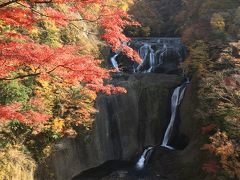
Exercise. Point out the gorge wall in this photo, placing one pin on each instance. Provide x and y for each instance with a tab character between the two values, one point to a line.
124	125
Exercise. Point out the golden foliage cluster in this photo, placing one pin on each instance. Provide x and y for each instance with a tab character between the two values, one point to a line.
14	164
227	151
217	22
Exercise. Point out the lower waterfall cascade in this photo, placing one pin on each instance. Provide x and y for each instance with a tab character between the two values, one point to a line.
144	157
176	99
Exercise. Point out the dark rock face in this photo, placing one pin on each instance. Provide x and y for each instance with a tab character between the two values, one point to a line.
124	125
182	164
188	124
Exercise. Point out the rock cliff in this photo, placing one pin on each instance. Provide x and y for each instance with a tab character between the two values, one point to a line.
124	124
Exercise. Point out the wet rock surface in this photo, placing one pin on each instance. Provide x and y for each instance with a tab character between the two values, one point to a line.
166	164
124	126
162	165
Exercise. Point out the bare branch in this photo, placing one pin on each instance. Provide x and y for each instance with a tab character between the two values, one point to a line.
35	74
7	3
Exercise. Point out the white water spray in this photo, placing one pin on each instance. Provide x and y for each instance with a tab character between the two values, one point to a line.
161	53
144	158
114	62
151	59
175	102
143	52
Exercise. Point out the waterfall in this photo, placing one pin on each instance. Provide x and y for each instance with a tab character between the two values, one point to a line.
114	62
153	51
151	59
144	158
143	52
175	102
161	54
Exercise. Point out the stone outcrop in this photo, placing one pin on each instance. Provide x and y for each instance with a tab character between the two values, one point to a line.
124	125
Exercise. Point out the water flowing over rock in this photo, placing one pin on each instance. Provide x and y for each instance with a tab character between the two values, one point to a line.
176	99
160	55
114	62
125	124
174	165
175	102
144	158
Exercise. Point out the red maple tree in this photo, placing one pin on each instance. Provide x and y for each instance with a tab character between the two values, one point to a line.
17	50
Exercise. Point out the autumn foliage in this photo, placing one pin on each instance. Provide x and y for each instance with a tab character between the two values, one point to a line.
210	167
227	152
21	57
51	69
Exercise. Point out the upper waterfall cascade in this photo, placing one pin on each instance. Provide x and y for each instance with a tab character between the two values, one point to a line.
157	54
114	62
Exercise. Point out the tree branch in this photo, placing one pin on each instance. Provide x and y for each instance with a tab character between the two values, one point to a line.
42	2
20	77
7	3
32	74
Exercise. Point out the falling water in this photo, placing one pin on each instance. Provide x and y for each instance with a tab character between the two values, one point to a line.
114	62
175	102
144	158
161	53
151	59
143	52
